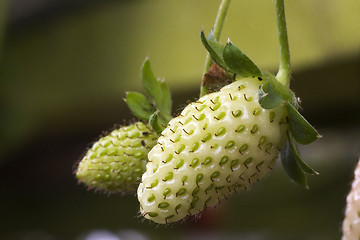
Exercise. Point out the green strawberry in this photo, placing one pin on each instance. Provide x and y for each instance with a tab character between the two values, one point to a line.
351	223
116	162
220	144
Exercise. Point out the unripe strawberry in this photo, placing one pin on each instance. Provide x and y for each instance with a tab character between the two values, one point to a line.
220	144
116	162
351	224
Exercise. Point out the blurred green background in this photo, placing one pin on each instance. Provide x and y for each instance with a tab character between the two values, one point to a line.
66	64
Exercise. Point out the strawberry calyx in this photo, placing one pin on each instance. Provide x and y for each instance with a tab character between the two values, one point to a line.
215	78
272	93
116	161
155	106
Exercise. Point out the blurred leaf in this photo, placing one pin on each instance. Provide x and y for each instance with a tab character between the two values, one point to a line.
300	128
139	105
272	92
157	91
155	123
238	62
165	105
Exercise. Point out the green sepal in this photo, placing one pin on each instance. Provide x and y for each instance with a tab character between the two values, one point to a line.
211	36
158	122
165	105
272	92
215	49
139	105
157	91
291	166
299	127
294	148
238	62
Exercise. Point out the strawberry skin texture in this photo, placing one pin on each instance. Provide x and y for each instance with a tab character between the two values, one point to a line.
220	144
116	162
351	223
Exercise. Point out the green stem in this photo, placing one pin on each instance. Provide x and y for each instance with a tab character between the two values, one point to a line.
284	72
219	22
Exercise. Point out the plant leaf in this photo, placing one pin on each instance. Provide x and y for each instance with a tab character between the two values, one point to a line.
215	49
300	128
211	36
306	168
272	92
156	122
139	105
238	62
291	166
165	105
268	98
156	90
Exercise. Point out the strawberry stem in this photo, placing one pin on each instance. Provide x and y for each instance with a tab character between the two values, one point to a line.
284	72
219	22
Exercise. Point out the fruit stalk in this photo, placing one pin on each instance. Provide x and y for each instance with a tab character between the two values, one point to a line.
284	72
219	23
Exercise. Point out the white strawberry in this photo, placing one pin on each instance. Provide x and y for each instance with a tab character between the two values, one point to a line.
220	144
116	162
351	223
